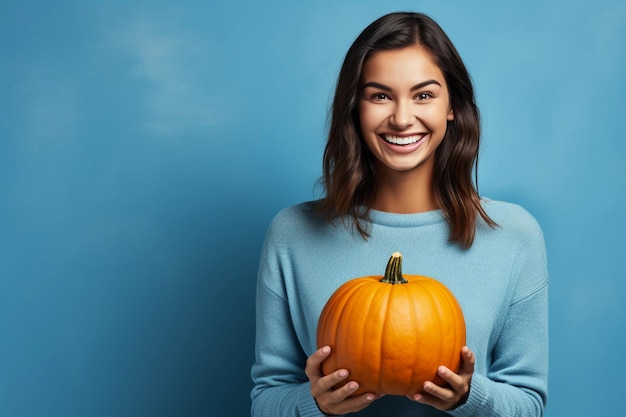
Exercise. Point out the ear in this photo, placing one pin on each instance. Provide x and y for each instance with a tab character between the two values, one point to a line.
450	114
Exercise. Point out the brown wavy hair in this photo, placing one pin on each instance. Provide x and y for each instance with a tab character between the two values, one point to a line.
349	177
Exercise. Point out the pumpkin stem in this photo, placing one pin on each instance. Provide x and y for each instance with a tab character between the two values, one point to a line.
393	273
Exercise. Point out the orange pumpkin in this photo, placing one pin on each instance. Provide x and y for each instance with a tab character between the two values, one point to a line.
393	333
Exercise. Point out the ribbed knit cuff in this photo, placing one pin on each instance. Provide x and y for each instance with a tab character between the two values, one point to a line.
306	403
476	401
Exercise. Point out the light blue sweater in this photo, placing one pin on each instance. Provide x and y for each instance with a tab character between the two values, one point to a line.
501	283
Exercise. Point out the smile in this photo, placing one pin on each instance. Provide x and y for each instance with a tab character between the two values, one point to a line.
403	141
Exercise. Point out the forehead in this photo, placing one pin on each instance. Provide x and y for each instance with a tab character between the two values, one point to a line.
410	64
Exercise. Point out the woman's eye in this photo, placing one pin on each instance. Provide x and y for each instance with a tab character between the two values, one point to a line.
379	97
423	96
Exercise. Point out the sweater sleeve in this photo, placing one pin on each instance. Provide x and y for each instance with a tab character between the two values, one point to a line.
281	388
517	378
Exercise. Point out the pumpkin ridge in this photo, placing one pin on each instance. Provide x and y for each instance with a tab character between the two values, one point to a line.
414	373
346	305
436	297
331	318
428	322
441	298
459	332
383	331
449	332
367	298
419	309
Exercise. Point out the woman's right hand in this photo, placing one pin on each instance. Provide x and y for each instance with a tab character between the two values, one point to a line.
330	400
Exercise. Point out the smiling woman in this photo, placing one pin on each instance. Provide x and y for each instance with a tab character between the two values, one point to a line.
403	121
145	146
405	58
398	167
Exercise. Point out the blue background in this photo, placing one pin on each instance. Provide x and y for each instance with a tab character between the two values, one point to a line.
145	146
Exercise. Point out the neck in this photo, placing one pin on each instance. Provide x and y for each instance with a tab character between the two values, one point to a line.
405	192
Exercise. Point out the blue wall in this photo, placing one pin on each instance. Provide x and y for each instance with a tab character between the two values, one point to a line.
145	146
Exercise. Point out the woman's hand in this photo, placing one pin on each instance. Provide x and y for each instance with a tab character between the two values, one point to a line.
458	385
333	401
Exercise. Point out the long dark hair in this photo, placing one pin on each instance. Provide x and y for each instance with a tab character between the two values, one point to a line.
349	177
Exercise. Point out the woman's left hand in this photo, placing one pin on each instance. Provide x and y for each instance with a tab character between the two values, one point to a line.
458	385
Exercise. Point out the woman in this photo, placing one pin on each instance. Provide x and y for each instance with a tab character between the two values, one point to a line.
398	165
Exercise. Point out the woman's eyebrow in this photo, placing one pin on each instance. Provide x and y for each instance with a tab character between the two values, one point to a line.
377	86
424	84
383	87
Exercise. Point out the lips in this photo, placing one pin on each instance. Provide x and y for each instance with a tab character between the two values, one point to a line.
403	140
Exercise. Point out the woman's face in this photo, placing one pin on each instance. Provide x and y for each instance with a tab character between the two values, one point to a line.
403	108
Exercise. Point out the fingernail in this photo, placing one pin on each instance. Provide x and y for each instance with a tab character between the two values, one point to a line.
343	373
326	350
369	398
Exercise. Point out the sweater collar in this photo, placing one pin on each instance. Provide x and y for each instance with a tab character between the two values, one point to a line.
406	220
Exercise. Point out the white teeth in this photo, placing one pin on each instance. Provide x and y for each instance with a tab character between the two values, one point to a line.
402	141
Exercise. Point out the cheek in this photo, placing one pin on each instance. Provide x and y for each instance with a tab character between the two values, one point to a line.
368	126
438	117
371	117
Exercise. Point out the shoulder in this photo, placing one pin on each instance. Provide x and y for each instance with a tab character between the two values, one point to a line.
519	236
513	219
299	215
517	230
294	222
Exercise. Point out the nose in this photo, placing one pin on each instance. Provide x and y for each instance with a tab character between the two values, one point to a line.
402	116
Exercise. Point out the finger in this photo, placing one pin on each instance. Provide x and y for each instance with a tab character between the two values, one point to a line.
354	404
440	393
428	399
468	361
328	382
448	396
458	381
313	368
342	404
436	395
